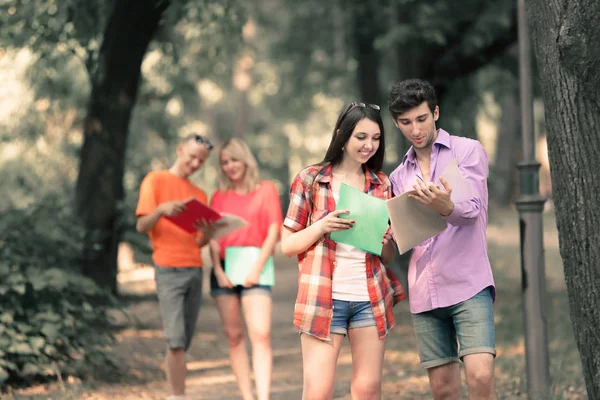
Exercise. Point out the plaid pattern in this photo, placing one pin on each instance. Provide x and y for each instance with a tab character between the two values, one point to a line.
311	199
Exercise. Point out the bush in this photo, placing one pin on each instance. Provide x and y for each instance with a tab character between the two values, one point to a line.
52	319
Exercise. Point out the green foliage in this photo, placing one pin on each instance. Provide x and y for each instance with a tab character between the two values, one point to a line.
50	27
52	319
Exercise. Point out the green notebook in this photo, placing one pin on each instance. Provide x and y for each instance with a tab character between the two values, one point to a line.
370	216
239	261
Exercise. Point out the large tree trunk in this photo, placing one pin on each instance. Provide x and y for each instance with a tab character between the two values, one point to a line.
115	81
567	44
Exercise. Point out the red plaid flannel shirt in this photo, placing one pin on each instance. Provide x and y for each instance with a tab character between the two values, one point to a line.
311	199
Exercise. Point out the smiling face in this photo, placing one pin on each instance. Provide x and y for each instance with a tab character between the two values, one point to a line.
363	142
233	168
191	156
418	126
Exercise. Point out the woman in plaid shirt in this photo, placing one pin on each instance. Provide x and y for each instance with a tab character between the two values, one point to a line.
341	290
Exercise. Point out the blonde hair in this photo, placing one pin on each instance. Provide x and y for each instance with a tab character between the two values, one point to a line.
239	150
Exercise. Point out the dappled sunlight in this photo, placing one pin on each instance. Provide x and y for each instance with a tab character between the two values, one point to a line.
208	364
402	357
515	350
174	106
140	333
204	380
152	73
209	91
11	151
15	93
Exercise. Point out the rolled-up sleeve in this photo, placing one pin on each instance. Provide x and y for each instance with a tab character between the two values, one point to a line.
299	209
474	167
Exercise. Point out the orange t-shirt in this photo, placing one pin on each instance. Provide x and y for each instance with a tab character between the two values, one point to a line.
171	245
260	208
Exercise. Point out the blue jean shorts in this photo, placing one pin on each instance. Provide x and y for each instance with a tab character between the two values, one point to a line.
468	324
179	293
239	290
350	315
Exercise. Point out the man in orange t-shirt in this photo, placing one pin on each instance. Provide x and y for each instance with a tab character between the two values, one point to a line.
175	252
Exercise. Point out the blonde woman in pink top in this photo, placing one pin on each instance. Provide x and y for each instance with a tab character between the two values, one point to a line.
243	194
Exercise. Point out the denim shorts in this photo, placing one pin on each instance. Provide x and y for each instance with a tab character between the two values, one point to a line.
179	293
468	324
350	315
239	290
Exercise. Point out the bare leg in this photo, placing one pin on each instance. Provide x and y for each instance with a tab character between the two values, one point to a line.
176	370
231	316
257	312
445	381
319	359
367	363
479	370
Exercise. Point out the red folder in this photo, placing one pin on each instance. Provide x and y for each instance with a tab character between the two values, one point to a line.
194	211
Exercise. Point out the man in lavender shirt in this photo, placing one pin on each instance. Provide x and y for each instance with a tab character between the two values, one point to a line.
451	287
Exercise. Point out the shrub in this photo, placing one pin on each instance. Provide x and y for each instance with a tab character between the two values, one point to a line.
52	319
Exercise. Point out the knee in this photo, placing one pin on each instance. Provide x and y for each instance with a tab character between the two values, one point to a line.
261	338
480	381
366	388
317	390
443	389
235	337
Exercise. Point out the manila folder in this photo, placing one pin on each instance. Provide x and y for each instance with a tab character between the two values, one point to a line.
412	222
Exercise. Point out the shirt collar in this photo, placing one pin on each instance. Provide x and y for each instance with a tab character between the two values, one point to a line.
324	175
442	139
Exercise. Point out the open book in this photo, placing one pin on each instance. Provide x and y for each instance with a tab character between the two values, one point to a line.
196	211
414	222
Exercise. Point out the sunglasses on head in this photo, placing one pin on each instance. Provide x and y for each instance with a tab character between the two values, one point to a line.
358	104
204	141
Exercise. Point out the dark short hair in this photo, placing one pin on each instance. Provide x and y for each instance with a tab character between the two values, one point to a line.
347	120
409	94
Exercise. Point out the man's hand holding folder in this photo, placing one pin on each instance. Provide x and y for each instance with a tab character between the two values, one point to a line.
417	215
436	197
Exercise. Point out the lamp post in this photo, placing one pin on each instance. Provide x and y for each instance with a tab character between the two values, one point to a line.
530	206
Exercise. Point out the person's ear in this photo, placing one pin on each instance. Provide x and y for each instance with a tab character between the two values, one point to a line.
179	150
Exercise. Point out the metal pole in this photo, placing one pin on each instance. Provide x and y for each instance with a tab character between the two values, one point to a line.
531	205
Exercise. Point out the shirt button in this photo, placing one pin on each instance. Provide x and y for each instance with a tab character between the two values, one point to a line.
334	263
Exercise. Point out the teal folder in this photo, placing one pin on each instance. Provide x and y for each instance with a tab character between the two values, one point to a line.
370	216
239	261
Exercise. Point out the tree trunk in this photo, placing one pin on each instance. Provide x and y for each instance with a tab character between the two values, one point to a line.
566	39
364	33
509	133
115	80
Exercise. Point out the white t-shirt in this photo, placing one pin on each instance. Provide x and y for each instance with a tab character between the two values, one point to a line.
349	282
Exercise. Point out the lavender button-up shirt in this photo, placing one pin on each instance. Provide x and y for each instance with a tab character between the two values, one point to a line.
452	266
